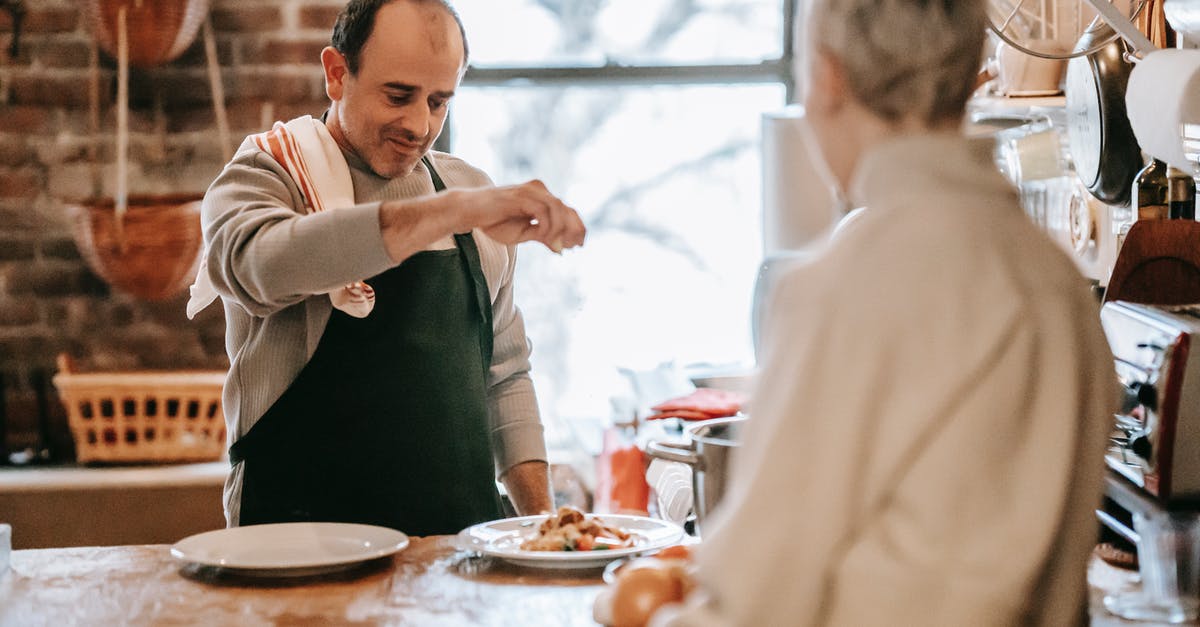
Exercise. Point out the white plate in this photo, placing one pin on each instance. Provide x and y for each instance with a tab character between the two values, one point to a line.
503	538
289	549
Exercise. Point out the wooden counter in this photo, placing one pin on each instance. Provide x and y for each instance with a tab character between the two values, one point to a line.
429	583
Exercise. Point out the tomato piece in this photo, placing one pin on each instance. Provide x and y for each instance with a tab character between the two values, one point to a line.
584	543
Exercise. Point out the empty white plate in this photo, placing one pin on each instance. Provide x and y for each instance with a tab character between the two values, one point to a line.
289	549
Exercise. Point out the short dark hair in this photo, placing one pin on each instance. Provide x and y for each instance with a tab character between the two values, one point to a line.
356	21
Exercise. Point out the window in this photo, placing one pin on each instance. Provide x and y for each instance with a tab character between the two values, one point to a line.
645	116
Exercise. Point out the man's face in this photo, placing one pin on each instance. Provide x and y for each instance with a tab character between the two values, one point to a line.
390	111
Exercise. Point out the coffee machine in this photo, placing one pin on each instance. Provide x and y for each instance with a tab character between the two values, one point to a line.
1155	443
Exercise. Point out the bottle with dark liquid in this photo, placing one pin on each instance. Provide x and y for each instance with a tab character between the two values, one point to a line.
1150	190
1181	194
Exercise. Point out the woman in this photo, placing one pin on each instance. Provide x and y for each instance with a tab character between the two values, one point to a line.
927	440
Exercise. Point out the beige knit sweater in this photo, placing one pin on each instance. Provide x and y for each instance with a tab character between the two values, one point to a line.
927	439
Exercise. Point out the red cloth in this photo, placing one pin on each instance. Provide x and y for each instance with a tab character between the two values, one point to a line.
621	486
703	404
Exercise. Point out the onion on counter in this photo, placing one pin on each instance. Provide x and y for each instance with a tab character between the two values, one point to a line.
642	586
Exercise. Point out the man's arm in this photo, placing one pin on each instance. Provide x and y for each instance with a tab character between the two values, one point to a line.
510	215
528	485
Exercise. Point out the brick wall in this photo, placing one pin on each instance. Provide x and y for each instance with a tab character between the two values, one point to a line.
50	300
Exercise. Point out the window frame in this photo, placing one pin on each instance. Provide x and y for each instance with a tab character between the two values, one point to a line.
769	71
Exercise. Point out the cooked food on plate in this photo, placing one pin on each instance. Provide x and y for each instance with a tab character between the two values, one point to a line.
572	530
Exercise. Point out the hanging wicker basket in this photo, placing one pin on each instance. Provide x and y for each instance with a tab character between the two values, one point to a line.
159	30
151	252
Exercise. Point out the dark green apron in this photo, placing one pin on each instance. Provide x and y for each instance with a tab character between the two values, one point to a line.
387	423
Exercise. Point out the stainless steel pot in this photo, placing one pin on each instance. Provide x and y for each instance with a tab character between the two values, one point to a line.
707	451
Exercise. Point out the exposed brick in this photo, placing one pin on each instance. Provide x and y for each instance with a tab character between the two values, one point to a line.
20	183
24	119
17	218
290	110
52	279
66	148
32	349
61	54
175	89
15	312
195	55
61	90
278	87
72	182
294	51
121	314
43	20
170	313
240	114
246	18
13	247
106	355
60	248
23	58
15	151
214	347
158	347
319	16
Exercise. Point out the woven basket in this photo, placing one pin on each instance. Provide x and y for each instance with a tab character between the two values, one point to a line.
152	252
143	416
159	30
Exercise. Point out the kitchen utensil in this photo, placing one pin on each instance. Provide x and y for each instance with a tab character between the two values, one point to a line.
1103	146
708	450
1047	28
1154	435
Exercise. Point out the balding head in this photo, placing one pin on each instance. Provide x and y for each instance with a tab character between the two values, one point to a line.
356	22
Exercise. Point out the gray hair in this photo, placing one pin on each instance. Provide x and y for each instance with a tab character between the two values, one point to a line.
905	57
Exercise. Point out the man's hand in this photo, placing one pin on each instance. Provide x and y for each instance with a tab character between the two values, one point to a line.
509	215
519	213
528	485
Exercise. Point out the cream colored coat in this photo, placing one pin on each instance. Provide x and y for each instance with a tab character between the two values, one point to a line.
926	440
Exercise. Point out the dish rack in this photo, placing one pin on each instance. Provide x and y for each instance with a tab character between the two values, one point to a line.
147	416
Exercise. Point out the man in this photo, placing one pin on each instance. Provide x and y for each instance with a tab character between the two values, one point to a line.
403	414
927	436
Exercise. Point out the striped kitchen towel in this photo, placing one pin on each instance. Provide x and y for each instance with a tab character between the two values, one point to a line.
312	158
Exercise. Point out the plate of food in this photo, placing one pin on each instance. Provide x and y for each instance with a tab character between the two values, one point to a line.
289	549
569	538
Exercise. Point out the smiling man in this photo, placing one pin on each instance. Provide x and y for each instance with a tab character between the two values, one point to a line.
379	366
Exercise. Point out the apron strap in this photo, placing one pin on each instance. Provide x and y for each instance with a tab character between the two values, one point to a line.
483	298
